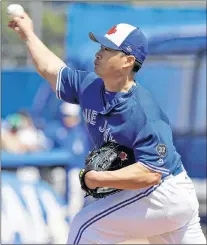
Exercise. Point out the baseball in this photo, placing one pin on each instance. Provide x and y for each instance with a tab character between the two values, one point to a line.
15	10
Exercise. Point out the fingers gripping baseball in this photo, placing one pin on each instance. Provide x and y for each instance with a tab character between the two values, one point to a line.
22	24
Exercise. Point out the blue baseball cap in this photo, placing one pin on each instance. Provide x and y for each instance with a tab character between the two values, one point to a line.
126	38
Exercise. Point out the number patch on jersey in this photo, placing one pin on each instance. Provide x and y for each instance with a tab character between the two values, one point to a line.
161	150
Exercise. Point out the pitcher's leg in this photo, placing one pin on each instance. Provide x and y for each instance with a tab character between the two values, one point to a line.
100	223
89	230
123	216
115	219
189	234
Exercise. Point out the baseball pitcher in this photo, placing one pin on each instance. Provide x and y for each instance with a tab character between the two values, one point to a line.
135	183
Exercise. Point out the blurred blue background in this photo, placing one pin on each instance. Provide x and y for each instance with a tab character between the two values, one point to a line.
44	141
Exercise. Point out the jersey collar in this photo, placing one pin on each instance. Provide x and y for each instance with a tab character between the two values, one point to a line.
117	100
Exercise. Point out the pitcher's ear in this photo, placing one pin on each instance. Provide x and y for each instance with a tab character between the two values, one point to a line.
130	60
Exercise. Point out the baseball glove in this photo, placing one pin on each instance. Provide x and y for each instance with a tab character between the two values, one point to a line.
111	156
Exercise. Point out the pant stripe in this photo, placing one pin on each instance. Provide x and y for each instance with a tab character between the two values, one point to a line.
111	210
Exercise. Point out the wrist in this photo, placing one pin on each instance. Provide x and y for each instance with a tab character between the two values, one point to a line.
29	36
91	179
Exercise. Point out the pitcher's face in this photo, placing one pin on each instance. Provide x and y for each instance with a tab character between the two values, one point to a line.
109	62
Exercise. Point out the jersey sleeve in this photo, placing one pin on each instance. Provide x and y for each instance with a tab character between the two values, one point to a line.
69	84
153	146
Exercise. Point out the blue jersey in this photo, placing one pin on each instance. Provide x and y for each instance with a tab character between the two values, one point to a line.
132	119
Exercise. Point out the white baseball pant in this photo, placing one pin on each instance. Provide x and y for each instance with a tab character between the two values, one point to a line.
164	214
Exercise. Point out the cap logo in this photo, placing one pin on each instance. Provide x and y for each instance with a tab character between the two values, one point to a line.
112	30
129	49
